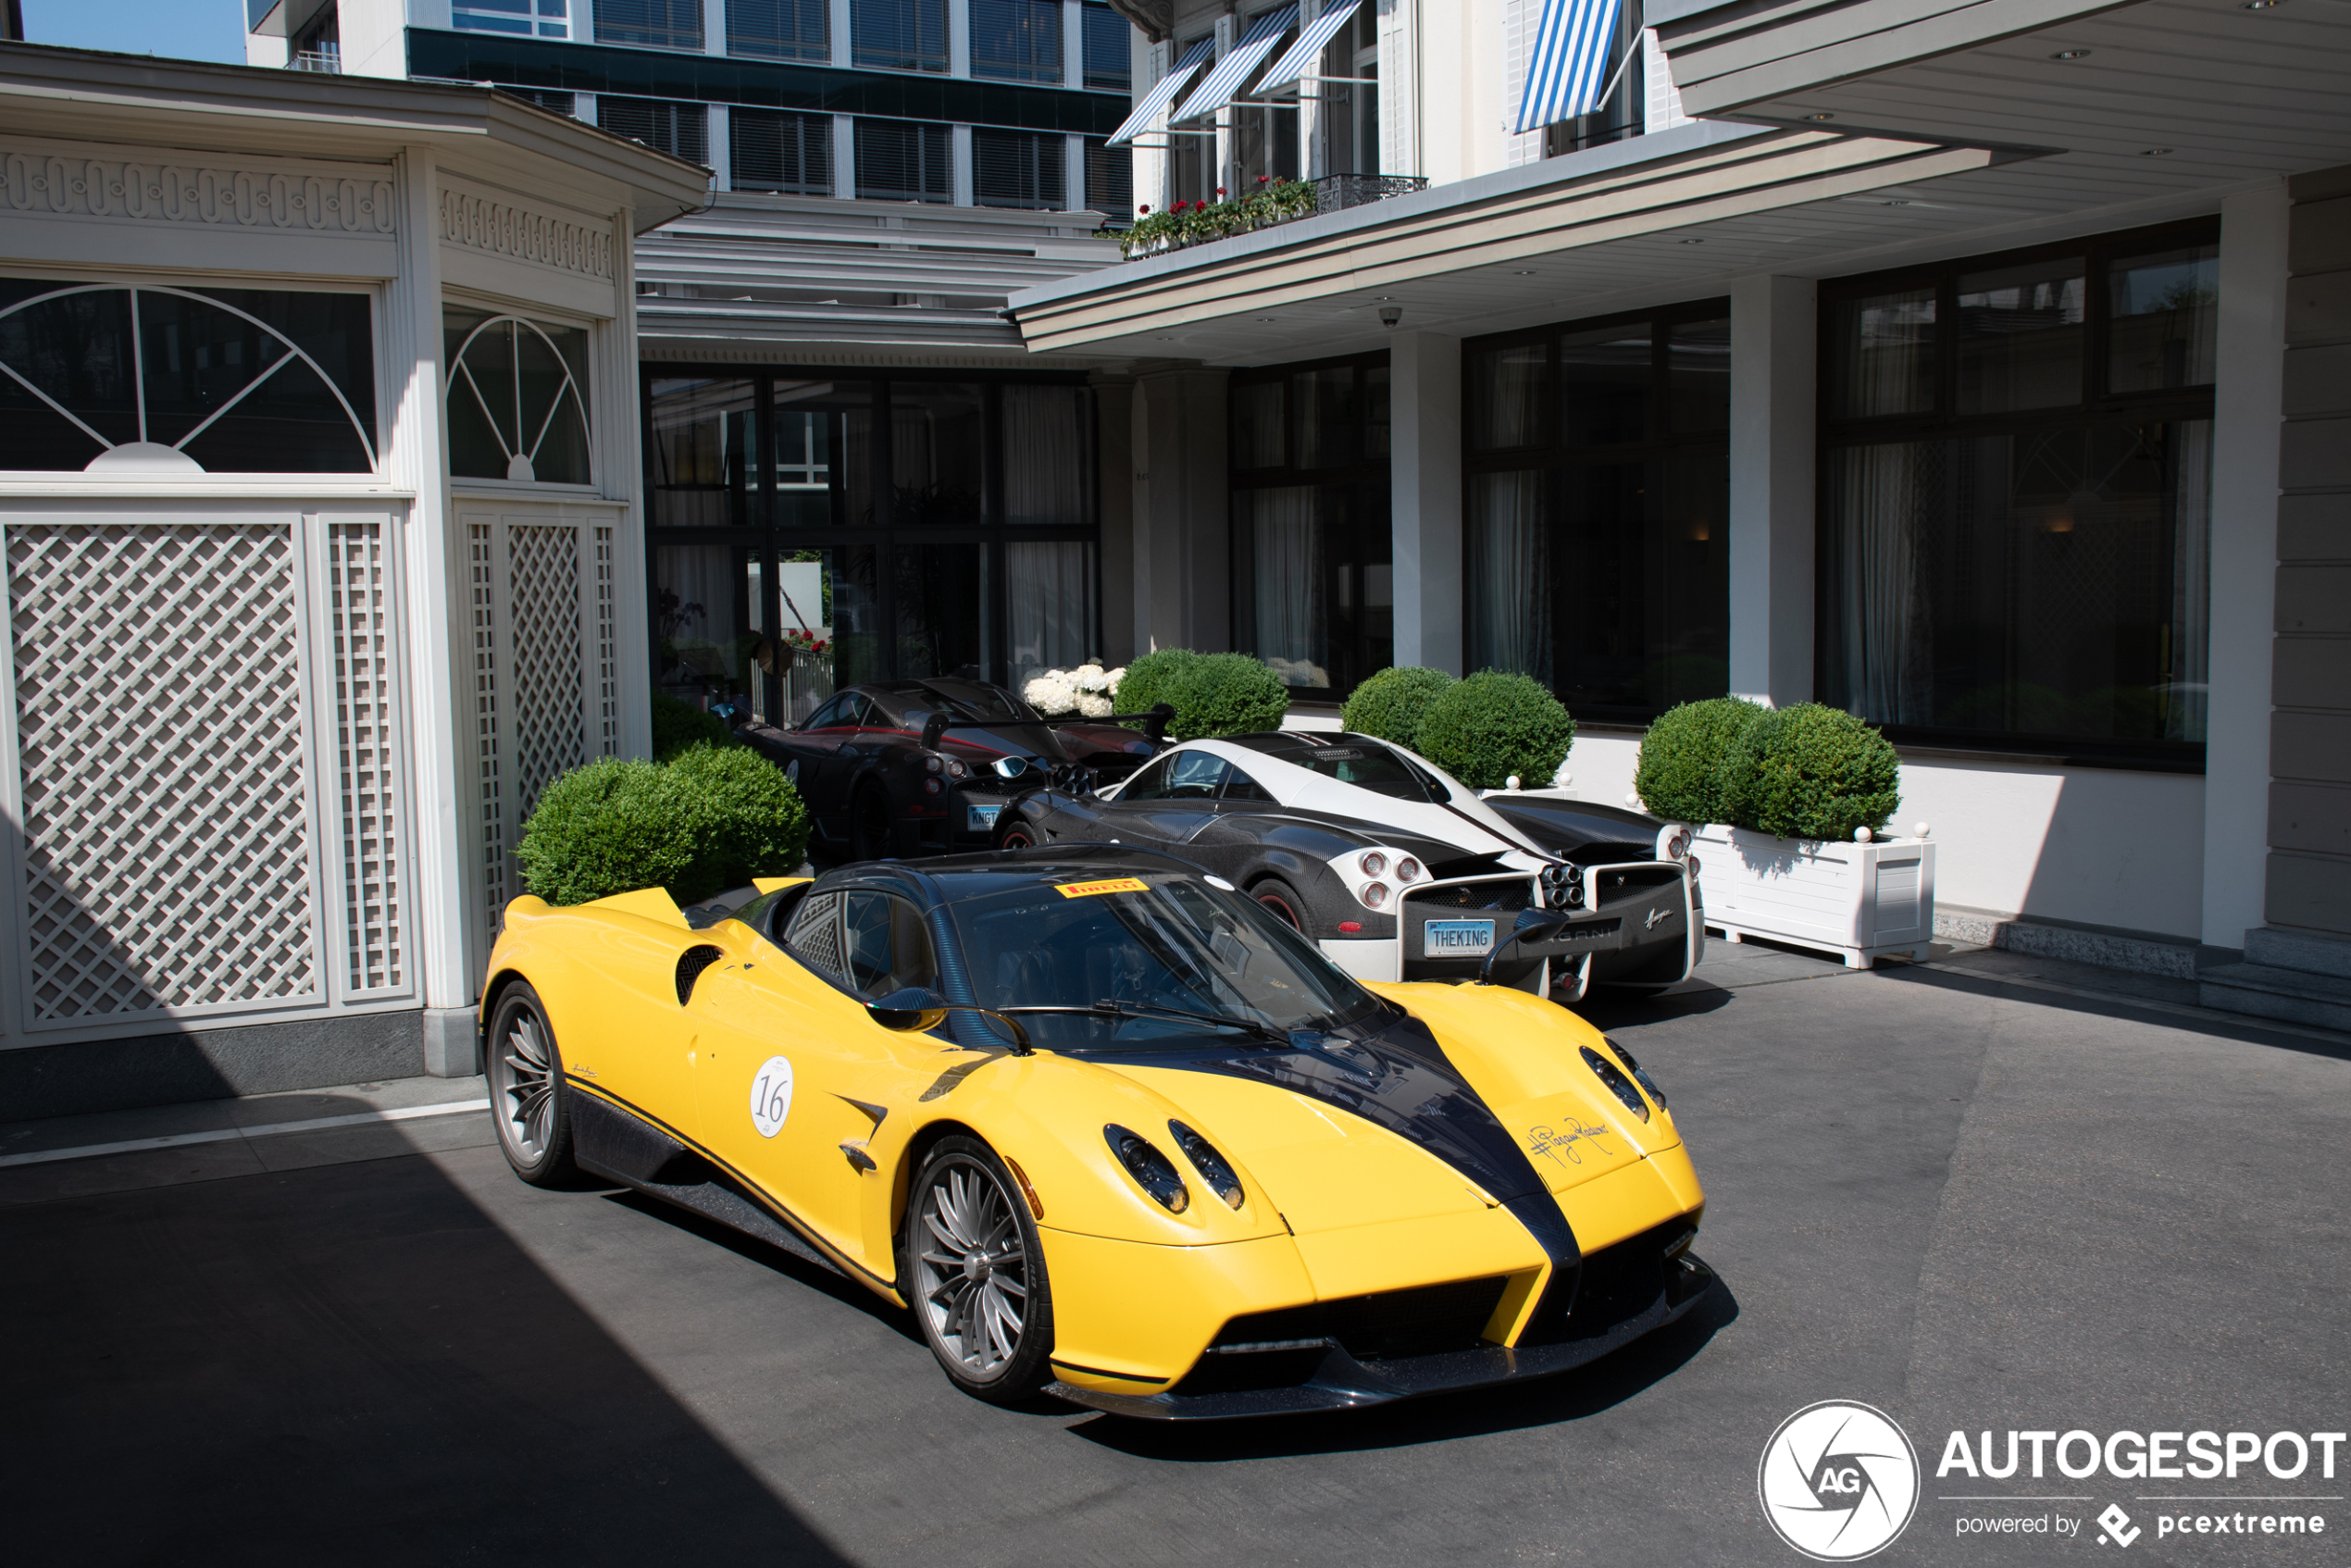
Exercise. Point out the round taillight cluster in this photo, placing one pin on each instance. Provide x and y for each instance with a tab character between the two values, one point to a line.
934	787
1373	863
1375	895
1407	869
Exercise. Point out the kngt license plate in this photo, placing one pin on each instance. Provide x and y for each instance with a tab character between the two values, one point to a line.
1456	939
979	819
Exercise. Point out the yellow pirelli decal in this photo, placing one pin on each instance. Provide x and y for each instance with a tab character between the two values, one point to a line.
1108	885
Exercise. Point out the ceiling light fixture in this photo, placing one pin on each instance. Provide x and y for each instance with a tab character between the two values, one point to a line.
2260	5
1820	117
2070	54
2156	153
1693	241
1521	274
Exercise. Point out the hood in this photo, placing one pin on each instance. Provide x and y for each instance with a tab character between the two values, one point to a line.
1464	822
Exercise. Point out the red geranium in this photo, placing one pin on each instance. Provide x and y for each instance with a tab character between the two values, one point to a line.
1145	207
1220	190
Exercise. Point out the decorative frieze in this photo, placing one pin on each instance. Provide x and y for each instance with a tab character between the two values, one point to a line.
501	227
64	183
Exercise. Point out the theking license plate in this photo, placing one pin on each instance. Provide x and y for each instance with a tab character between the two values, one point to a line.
1456	939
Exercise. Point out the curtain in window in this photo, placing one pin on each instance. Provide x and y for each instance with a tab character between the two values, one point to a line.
1883	499
1047	475
2190	482
1292	615
1509	573
1506	397
1050	587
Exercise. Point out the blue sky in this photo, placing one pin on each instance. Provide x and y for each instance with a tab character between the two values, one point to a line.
187	29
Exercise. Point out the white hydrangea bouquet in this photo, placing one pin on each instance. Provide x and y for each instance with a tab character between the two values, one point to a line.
1085	690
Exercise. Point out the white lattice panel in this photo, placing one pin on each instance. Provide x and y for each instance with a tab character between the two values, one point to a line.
482	576
367	721
607	652
543	616
169	861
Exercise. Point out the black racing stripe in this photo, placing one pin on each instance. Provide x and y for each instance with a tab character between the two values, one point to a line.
1399	1078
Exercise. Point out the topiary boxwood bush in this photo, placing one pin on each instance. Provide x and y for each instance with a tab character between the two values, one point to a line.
1391	703
1224	694
1680	771
712	819
1151	680
1810	772
1493	724
679	725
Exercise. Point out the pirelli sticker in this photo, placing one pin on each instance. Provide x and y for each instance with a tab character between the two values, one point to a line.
1108	885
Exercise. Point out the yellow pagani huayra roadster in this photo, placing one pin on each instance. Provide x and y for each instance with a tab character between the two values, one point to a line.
1108	1128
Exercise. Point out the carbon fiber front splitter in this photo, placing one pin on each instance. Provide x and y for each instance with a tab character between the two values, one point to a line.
1343	1382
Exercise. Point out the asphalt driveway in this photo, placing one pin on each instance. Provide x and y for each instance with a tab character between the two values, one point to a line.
1970	1195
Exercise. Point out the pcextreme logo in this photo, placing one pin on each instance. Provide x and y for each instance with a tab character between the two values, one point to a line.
1839	1481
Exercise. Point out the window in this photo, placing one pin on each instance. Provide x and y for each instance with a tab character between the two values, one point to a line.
785	154
1187	776
547	19
1595	490
1019	169
898	161
2015	482
680	130
546	98
911	526
780	30
157	378
1110	59
657	24
517	395
1110	182
1314	594
887	944
1017	40
899	34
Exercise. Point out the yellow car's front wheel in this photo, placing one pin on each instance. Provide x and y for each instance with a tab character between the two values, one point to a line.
975	1273
527	1091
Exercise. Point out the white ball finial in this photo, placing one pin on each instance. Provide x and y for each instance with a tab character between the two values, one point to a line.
1863	835
1511	782
1919	829
1632	799
1565	779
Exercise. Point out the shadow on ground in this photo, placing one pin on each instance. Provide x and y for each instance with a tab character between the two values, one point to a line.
349	1364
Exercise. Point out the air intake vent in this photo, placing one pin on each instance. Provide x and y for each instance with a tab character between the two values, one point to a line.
691	964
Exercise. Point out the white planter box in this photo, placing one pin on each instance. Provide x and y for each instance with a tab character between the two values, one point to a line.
1859	900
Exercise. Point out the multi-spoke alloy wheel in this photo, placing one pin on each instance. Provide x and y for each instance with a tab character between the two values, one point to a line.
527	1090
975	1273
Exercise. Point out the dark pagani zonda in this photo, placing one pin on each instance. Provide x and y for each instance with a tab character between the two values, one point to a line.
1397	870
908	767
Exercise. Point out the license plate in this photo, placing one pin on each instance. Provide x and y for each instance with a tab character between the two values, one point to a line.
1456	939
979	819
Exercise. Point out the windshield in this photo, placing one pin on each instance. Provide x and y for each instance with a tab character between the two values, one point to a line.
1371	768
1151	939
966	699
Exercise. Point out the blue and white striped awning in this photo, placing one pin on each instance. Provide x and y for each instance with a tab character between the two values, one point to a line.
1162	92
1307	52
1566	69
1217	90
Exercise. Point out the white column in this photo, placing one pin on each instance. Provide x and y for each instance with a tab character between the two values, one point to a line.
843	29
844	154
959	164
1772	355
1072	44
1399	89
959	38
722	148
1220	171
621	473
444	837
1424	481
1152	63
1074	182
714	30
2247	407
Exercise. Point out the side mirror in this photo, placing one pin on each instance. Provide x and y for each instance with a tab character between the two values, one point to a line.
933	729
916	1011
732	714
1534	924
1011	767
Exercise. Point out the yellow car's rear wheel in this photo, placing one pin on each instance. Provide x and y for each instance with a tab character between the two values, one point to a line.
527	1093
975	1272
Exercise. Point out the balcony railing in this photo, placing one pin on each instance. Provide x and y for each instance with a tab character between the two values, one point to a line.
1336	190
1200	223
327	60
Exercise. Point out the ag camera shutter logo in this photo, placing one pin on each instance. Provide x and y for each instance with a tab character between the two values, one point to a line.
1839	1481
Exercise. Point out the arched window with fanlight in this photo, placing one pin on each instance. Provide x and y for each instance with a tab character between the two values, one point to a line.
517	394
157	379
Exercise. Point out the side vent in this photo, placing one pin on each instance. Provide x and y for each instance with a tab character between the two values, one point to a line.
691	964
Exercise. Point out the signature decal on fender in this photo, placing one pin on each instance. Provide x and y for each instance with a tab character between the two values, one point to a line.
1655	915
1550	1143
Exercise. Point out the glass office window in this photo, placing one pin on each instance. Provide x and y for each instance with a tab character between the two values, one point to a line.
782	154
780	30
680	130
899	34
1109	50
699	453
653	24
1020	168
900	161
1110	182
1017	40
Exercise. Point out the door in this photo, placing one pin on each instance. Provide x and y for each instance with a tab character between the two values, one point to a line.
823	780
795	1079
1170	801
